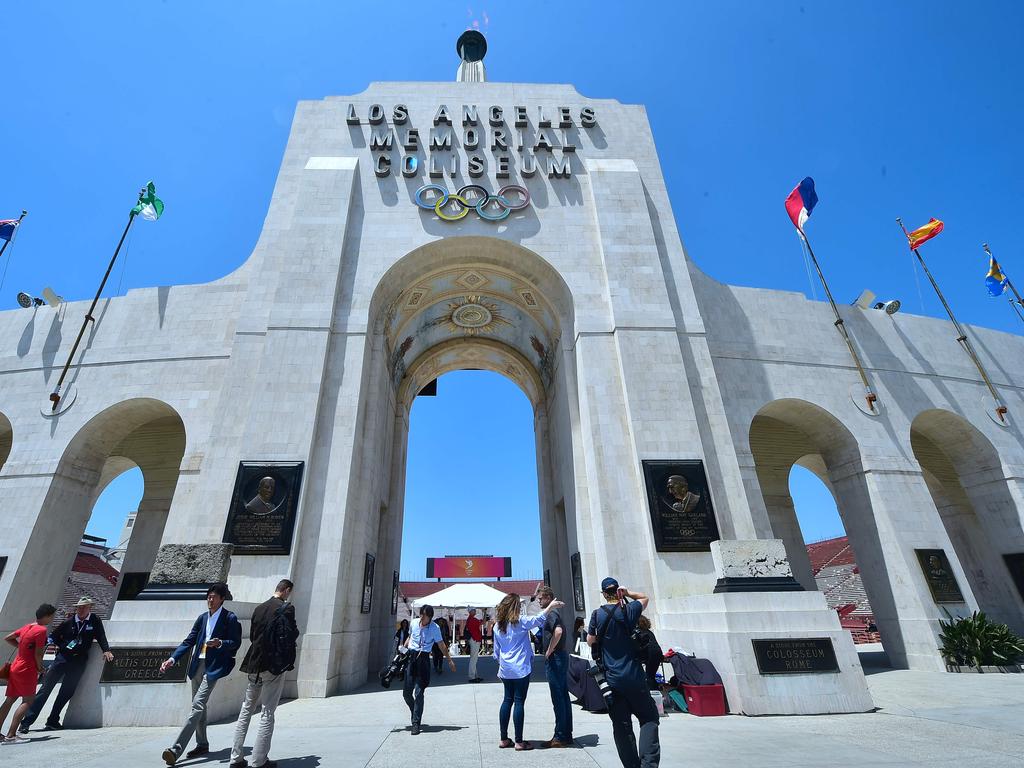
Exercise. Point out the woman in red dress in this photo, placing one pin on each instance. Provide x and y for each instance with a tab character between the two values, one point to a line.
30	641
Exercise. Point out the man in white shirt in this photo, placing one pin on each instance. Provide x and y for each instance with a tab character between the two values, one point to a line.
422	637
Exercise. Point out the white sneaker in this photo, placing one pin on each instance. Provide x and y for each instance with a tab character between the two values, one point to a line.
10	740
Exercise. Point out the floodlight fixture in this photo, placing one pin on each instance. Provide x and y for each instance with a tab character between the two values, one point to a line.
27	301
890	307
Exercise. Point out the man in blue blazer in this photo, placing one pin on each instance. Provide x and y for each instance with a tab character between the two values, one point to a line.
215	636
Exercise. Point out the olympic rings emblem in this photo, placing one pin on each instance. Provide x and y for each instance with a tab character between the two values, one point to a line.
472	196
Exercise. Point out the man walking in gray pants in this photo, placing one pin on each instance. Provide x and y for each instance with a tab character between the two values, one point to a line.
273	633
215	636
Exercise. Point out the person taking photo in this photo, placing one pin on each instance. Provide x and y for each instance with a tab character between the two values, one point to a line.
610	635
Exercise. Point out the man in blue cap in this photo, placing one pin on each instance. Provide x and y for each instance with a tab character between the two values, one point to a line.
610	634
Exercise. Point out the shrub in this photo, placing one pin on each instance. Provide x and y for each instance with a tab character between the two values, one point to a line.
975	641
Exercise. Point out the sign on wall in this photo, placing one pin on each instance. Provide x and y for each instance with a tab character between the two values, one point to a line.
469	567
795	656
142	665
939	575
1014	561
682	516
264	505
367	583
577	583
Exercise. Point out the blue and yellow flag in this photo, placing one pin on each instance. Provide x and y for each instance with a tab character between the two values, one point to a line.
995	280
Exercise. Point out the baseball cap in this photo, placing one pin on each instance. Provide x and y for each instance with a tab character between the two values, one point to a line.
609	584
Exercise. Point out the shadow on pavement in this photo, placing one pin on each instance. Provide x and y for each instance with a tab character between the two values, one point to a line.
590	740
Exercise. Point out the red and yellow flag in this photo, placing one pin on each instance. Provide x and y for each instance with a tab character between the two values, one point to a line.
924	234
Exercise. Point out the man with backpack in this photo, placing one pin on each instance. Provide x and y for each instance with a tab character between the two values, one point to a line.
273	633
616	644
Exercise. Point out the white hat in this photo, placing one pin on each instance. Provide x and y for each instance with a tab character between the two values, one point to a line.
84	600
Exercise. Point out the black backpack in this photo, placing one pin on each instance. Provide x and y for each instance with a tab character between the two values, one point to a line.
279	644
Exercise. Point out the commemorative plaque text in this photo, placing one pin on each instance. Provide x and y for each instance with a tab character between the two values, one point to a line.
795	656
264	505
682	516
939	575
142	665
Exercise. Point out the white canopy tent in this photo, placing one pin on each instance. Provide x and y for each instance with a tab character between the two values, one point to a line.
462	595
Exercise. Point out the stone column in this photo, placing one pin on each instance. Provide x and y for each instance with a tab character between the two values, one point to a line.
888	513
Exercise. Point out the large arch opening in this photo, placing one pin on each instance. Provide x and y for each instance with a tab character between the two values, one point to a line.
475	304
794	433
966	480
142	433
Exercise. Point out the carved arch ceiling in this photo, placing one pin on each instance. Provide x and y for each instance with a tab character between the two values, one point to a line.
472	303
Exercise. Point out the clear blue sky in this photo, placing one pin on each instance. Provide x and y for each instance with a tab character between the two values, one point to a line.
906	108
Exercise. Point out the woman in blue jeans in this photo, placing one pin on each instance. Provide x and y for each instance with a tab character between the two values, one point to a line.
514	652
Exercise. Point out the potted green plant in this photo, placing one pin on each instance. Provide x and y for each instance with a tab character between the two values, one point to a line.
976	644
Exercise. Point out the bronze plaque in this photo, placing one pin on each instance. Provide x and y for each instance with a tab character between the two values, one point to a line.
368	565
142	665
261	520
795	656
939	576
1015	563
577	583
680	504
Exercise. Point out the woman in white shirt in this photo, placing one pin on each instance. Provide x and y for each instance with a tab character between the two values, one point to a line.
514	651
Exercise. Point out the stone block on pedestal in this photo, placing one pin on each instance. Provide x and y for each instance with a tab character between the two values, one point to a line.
759	565
186	571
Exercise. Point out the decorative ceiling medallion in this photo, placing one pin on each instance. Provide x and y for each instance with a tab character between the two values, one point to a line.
529	299
472	315
472	280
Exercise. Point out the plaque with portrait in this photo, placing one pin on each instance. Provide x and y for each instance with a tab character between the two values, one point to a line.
939	575
264	505
682	516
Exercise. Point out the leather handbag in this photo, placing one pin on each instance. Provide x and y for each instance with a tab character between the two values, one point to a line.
5	670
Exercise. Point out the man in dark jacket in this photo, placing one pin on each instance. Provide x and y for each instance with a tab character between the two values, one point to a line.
267	661
216	636
73	639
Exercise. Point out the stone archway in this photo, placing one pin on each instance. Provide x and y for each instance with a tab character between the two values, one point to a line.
787	432
967	482
141	432
477	315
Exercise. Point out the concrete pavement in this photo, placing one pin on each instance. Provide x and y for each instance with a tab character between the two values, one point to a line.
928	719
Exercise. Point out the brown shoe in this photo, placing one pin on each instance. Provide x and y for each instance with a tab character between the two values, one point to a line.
169	757
525	746
199	751
506	744
556	744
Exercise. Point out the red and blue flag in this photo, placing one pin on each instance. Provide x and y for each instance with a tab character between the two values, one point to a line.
7	229
801	202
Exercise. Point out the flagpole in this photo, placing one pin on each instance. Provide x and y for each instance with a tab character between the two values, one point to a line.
870	397
1001	410
24	213
55	395
1020	303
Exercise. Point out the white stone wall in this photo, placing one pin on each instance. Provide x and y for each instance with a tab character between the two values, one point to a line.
284	360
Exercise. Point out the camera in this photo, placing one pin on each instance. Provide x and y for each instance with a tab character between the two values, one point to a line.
596	671
395	669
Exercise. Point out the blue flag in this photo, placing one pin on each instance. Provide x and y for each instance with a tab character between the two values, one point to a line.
995	280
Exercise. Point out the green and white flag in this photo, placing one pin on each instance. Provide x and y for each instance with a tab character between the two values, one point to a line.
150	206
